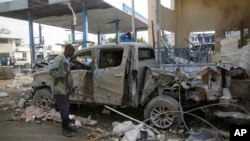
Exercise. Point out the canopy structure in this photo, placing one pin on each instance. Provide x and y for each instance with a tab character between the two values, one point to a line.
88	16
101	16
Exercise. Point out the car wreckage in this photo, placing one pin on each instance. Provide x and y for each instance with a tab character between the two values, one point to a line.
127	75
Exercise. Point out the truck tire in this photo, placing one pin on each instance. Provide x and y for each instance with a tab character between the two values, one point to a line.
43	99
163	105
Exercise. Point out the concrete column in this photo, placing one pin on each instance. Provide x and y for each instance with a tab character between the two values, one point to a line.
219	35
179	28
154	15
117	29
84	25
31	38
99	38
135	35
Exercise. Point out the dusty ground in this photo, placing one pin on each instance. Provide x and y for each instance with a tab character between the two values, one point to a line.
22	131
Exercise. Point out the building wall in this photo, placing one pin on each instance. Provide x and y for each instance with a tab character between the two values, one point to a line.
7	47
205	15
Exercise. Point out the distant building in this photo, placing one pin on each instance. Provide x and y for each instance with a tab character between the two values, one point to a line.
11	45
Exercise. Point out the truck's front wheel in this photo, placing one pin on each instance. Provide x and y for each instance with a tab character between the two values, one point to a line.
163	112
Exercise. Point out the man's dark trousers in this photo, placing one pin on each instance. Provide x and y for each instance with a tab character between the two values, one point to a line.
62	102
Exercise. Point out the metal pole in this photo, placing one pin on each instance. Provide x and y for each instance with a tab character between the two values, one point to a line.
117	28
40	35
98	37
84	25
133	18
73	33
31	38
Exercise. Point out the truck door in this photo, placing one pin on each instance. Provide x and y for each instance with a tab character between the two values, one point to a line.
109	75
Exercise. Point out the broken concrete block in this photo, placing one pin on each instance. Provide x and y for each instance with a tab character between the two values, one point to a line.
100	130
53	115
6	108
226	94
114	139
2	104
86	121
77	123
115	123
133	134
121	128
21	103
4	94
106	111
203	135
31	113
12	104
234	115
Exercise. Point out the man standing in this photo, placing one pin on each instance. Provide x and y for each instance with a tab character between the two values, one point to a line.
61	87
127	37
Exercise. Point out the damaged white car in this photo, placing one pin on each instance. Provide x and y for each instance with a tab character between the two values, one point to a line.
127	75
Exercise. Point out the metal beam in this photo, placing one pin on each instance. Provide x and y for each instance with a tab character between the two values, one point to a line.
99	37
117	29
31	38
133	19
73	34
84	25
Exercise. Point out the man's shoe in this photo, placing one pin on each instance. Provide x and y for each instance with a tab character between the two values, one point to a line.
68	133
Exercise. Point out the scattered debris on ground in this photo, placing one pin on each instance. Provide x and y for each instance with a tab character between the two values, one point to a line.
4	94
205	134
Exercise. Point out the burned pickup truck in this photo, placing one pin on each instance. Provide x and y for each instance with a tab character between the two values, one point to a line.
127	75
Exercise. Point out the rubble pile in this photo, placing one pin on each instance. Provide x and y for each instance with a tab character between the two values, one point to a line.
233	55
32	113
20	81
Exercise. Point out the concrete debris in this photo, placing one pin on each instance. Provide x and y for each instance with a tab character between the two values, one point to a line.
94	136
21	103
207	135
235	115
100	130
226	94
12	104
2	104
6	108
238	73
4	94
86	121
53	115
31	113
231	54
121	128
114	139
106	111
77	123
132	132
20	82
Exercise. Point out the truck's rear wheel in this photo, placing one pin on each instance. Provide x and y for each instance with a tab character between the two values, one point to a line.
162	111
43	99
